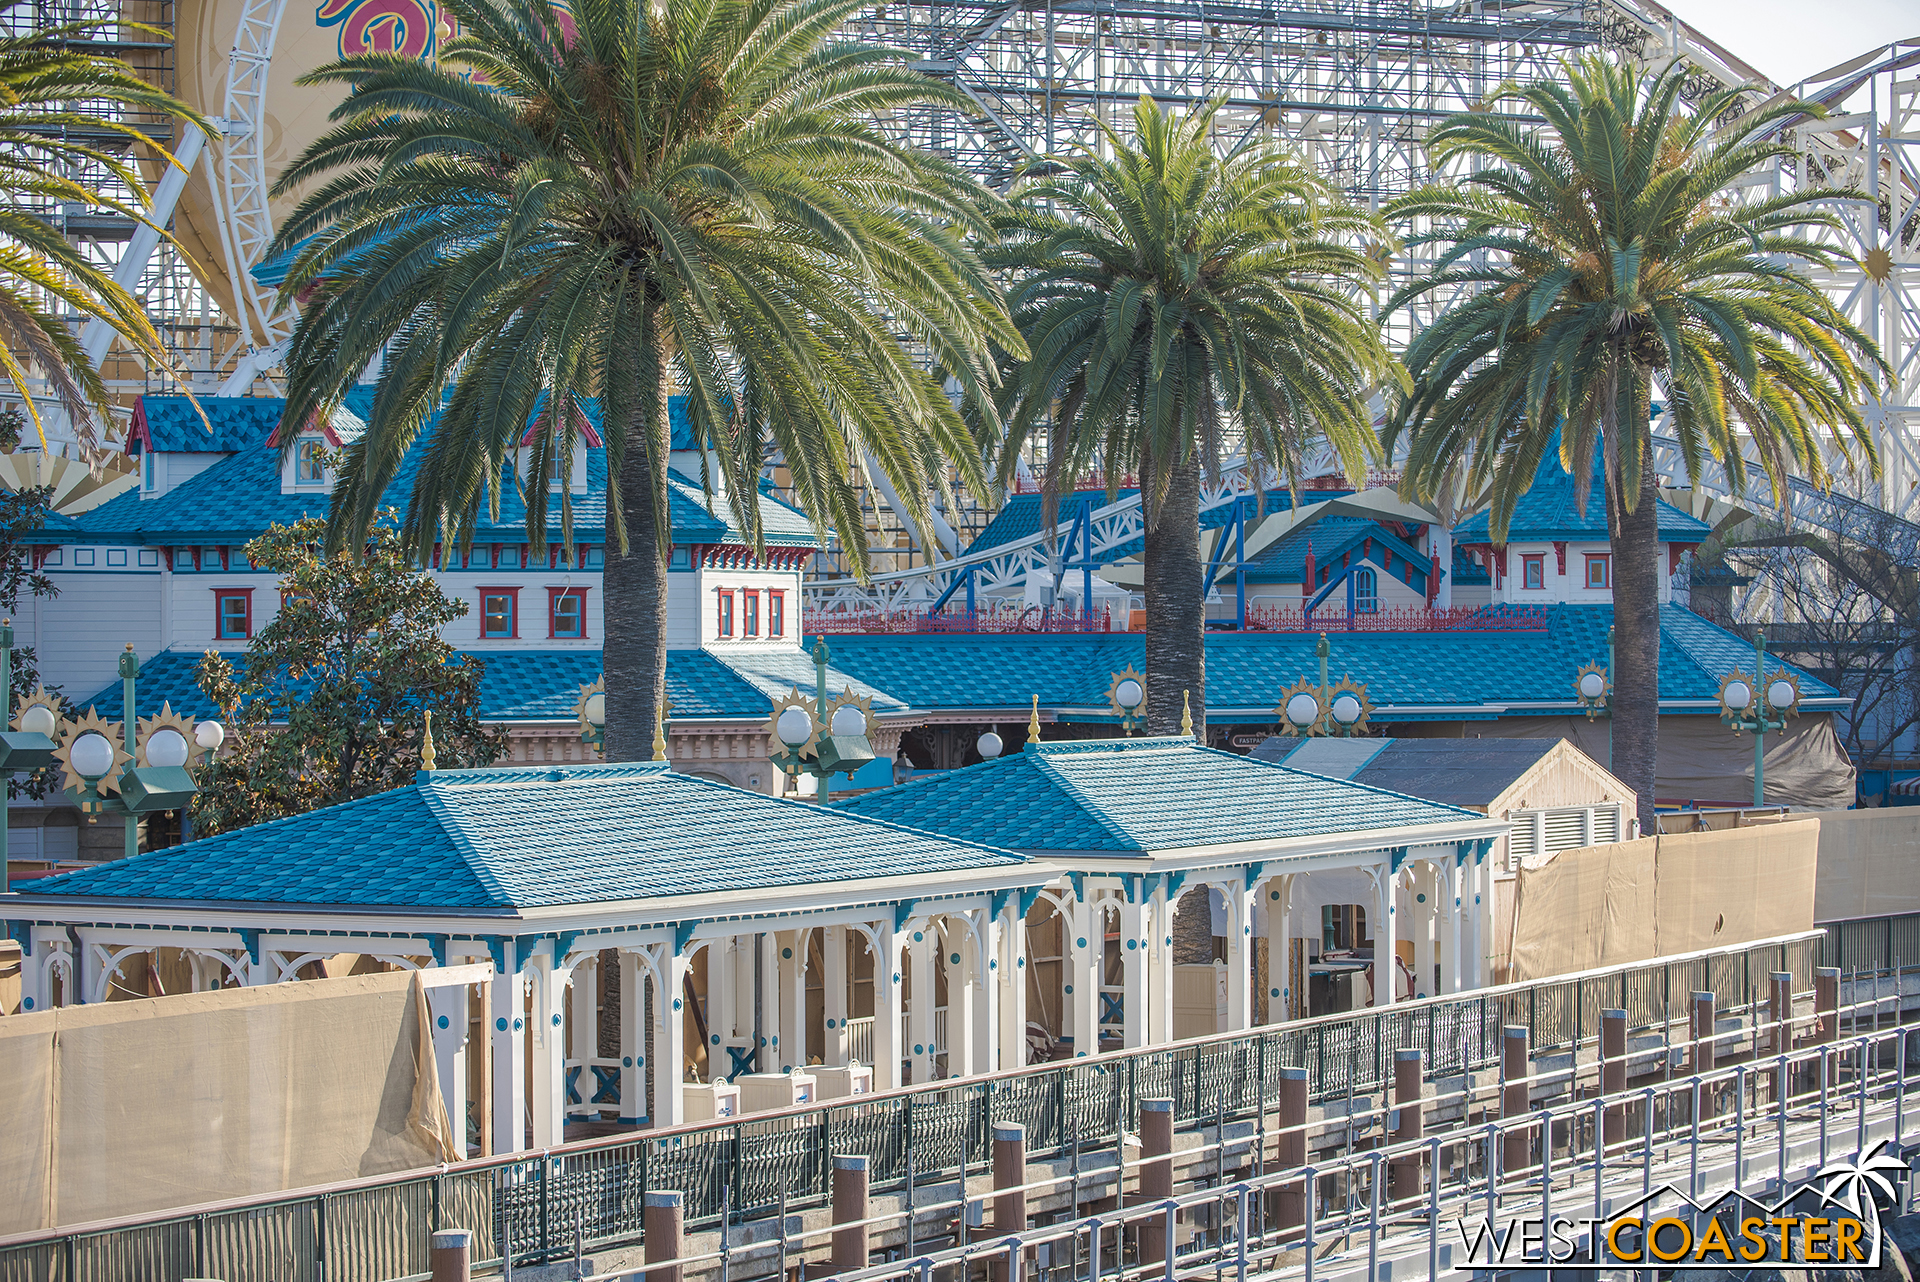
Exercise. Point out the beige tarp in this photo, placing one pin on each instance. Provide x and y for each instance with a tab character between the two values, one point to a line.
1701	761
134	1106
1869	863
1632	901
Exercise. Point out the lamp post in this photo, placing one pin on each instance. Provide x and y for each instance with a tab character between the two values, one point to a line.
1593	690
29	745
1127	696
1329	708
1758	704
823	739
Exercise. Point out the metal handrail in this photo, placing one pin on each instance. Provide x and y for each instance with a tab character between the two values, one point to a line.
933	1131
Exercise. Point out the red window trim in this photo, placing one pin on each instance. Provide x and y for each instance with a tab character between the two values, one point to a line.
553	599
776	611
218	593
514	634
1527	562
723	617
1586	577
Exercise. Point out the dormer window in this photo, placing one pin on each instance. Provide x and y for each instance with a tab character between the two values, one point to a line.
309	463
149	474
1599	571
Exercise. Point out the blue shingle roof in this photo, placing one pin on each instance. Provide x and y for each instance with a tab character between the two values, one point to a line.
170	423
1329	537
1547	511
1247	670
493	841
1138	795
519	685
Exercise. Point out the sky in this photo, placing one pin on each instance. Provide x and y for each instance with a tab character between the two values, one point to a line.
1789	40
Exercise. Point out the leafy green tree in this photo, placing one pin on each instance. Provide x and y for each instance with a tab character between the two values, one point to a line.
53	101
329	702
22	512
633	201
1596	254
1181	305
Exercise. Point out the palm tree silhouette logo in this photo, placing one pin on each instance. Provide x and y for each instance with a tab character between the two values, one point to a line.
1851	1185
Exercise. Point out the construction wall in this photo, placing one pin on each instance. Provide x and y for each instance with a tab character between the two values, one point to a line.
1869	863
1635	900
135	1106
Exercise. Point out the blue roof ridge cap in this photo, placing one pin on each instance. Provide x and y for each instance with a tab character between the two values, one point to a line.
1001	852
1087	805
1351	783
555	772
428	787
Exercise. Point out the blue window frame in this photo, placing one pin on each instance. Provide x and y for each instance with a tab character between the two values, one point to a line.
499	613
234	614
1366	591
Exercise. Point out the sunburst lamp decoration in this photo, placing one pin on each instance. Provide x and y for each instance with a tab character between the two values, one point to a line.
1327	707
1757	704
821	737
1127	696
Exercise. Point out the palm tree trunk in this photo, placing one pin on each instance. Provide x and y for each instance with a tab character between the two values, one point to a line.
1176	607
634	651
1636	641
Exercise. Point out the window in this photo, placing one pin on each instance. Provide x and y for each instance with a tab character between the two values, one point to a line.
83	556
149	476
233	612
681	558
726	613
750	614
213	559
116	556
1599	571
183	559
53	558
237	560
592	559
567	612
776	614
309	463
150	557
1533	572
506	557
1366	591
499	613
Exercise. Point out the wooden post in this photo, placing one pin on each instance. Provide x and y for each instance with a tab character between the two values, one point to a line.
451	1258
1403	1174
1613	1071
1703	1024
1156	1175
1009	1208
1290	1209
1780	1010
1516	1150
850	1245
662	1220
1826	1003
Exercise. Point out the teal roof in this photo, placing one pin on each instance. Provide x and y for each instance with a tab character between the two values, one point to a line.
494	841
1020	516
1547	511
519	685
1329	537
1138	796
1247	670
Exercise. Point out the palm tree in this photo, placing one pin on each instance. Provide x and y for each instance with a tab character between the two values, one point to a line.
1180	304
1597	252
54	123
635	201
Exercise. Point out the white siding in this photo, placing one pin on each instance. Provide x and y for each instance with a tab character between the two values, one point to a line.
80	634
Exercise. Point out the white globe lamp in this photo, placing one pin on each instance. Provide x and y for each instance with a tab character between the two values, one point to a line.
1738	695
1303	709
794	727
167	747
1346	709
210	735
39	719
849	721
1781	694
596	710
989	745
91	755
1129	694
1592	685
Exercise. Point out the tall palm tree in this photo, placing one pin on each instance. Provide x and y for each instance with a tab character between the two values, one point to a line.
1598	252
58	119
1181	304
631	202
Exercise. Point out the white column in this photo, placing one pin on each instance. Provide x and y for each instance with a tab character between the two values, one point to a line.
633	1037
956	951
1453	958
1160	967
669	1034
1134	964
1425	882
982	949
833	977
1086	959
1442	564
1240	903
887	1005
509	1055
447	1007
720	1007
33	969
583	1031
766	1050
1384	921
792	1048
546	1049
920	950
1280	994
1477	900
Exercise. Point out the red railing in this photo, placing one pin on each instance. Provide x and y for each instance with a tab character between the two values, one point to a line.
1459	618
1091	483
1032	618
